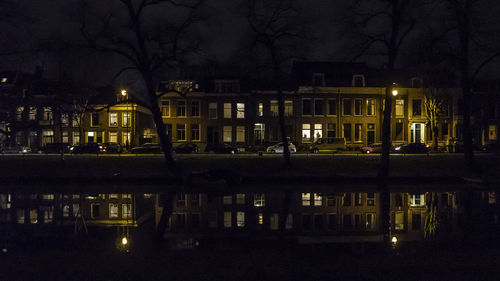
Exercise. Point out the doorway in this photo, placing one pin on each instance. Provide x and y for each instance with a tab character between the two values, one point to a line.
418	132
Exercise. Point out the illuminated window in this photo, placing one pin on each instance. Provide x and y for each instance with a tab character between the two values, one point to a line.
227	134
288	108
127	211
274	222
126	137
65	119
240	133
181	108
492	132
113	196
370	221
4	79
258	131
195	108
306	132
259	200
318	200
48	196
165	108
318	131
47	213
32	113
417	200
66	210
113	119
227	220
370	199
212	110
19	113
47	114
399	221
76	210
289	222
126	119
273	108
400	105
113	137
113	210
240	198
20	215
370	107
228	200
260	109
126	196
240	219
306	199
240	110
76	120
227	110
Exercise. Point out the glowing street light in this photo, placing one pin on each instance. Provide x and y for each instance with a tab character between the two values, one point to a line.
394	240
394	92
124	92
124	241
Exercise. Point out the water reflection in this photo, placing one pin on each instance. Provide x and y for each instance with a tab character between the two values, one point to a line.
308	217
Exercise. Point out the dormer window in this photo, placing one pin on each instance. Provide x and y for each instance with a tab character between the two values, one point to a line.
318	79
227	86
416	82
358	80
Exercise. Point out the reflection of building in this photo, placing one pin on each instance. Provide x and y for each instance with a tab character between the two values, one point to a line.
311	217
70	209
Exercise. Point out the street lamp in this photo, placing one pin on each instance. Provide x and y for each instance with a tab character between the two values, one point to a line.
394	92
125	94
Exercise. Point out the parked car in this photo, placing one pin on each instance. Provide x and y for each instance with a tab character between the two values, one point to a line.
16	149
112	147
187	147
372	148
328	145
278	148
56	148
92	147
147	148
221	148
412	148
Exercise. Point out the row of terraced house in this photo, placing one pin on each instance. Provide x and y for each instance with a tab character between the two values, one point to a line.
327	100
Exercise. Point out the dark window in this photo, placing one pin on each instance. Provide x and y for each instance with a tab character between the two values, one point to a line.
318	107
460	107
95	119
332	222
399	131
195	220
398	199
168	128
319	223
417	107
358	107
357	199
347	132
347	199
331	131
318	79
416	220
444	199
306	107
444	129
96	210
358	226
347	107
332	107
347	222
330	200
306	222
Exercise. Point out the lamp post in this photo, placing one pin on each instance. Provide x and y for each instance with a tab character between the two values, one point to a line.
125	95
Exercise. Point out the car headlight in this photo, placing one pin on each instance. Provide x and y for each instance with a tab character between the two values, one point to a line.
397	148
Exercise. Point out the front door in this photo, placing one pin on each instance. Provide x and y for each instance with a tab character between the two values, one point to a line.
212	135
418	132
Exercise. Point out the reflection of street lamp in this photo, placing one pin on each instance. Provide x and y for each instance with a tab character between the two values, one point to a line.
125	94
